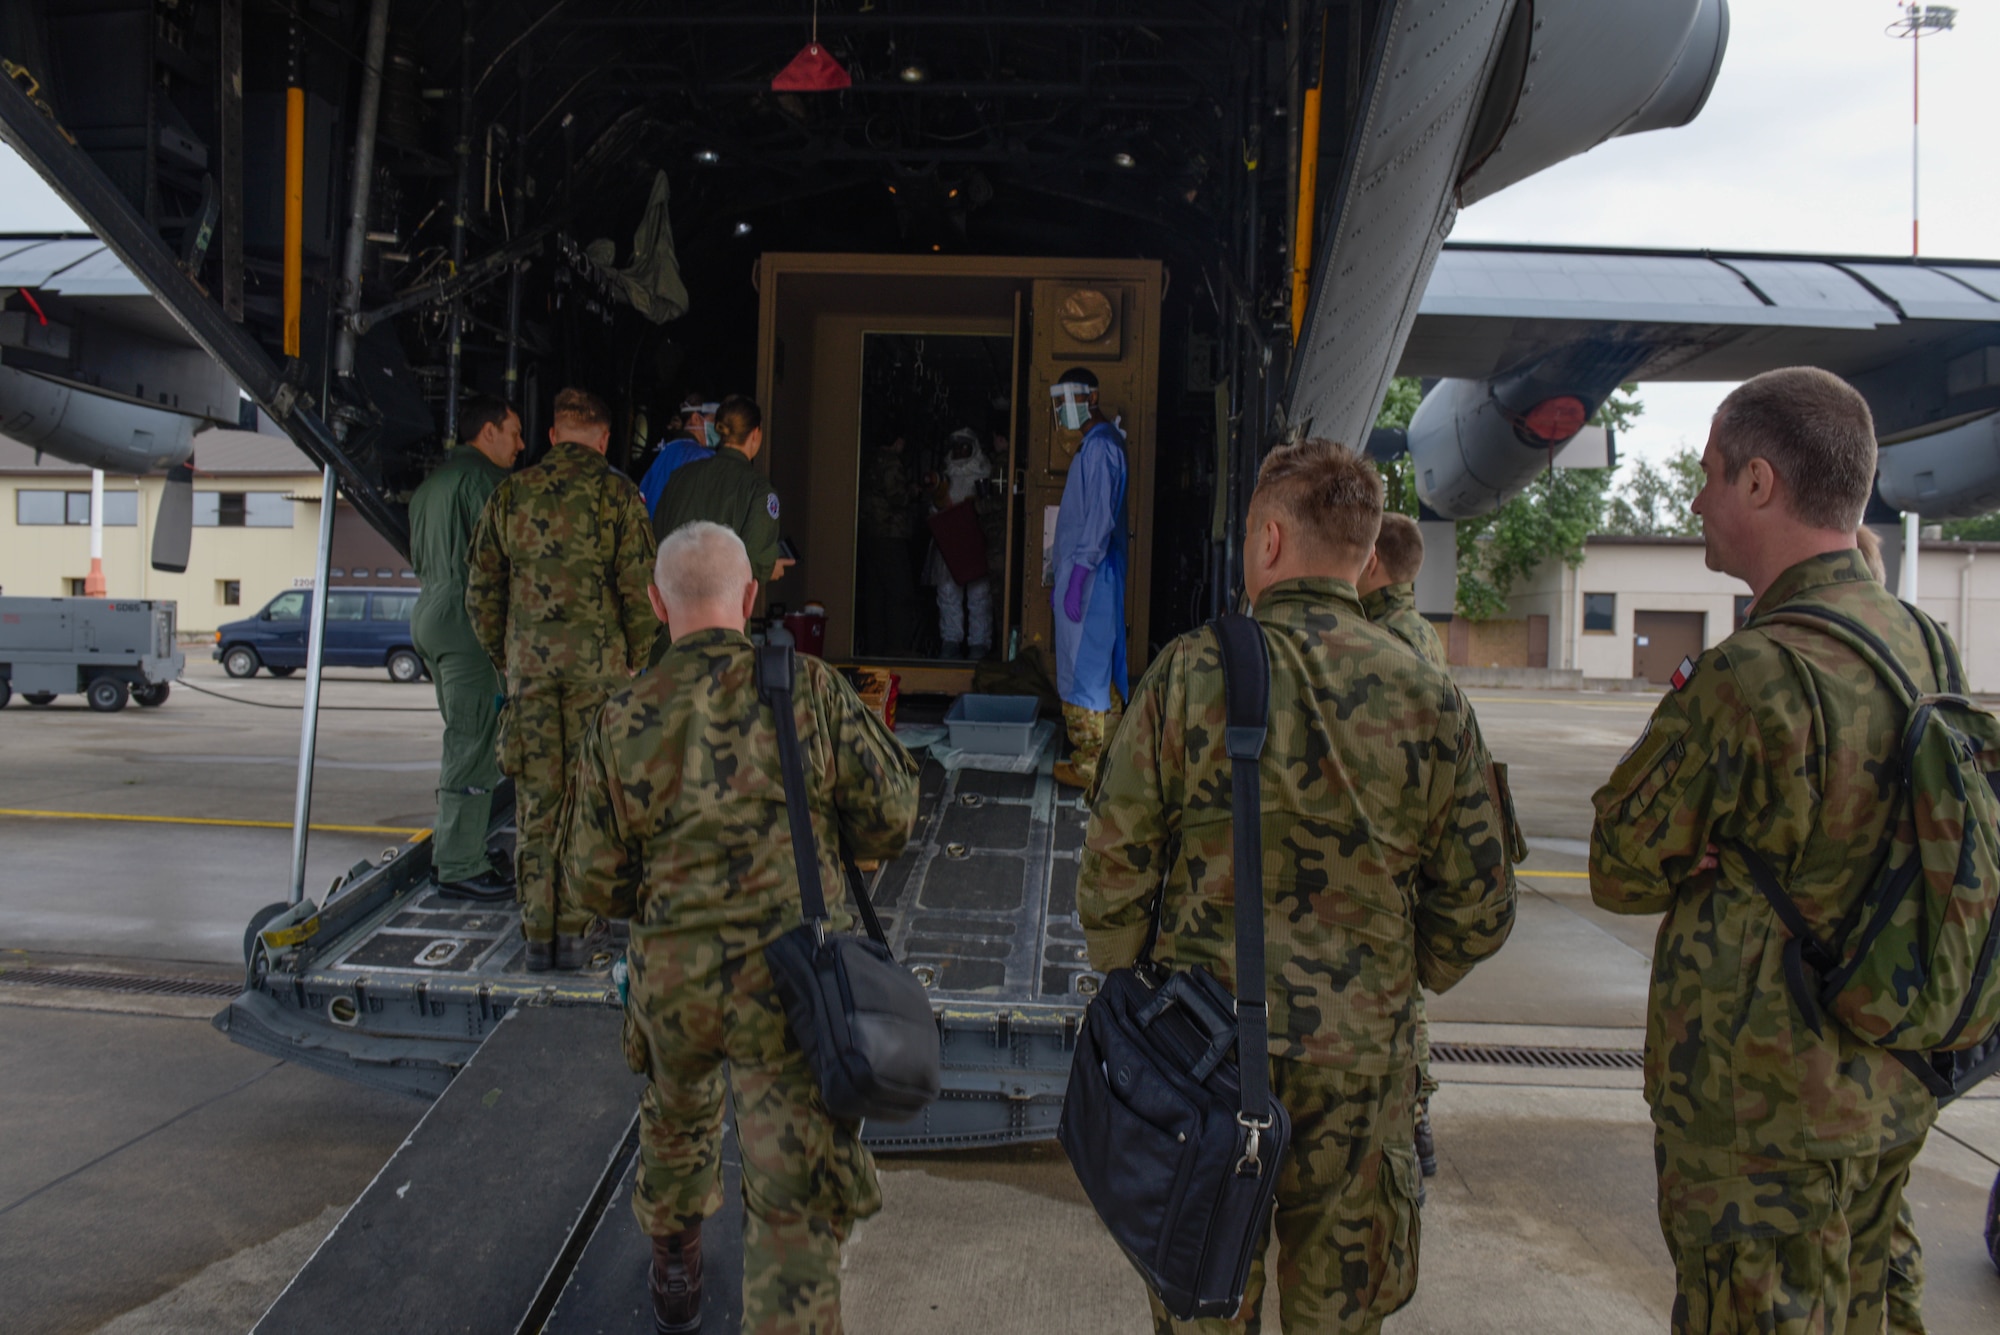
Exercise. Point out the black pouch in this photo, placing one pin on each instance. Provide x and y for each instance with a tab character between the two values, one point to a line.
1168	1119
863	1020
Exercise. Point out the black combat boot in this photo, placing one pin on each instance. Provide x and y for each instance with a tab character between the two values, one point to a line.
1427	1150
576	952
675	1281
541	956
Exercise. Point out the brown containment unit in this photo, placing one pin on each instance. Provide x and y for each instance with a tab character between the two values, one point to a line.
854	349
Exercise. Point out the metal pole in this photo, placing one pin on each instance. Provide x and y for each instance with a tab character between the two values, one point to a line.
315	662
1908	581
461	206
366	119
1916	72
93	583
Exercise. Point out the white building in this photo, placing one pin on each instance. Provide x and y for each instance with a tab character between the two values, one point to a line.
256	531
1637	606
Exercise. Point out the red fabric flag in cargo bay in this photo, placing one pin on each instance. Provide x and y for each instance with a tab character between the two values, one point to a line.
813	70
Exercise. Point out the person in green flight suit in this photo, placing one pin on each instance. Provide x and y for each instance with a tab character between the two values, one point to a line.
729	490
443	512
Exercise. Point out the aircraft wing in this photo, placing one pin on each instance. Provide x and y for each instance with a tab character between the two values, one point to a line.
1694	315
1527	341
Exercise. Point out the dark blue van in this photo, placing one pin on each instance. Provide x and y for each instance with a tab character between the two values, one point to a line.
364	628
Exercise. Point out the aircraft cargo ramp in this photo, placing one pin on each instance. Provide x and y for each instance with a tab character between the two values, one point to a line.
505	1208
389	984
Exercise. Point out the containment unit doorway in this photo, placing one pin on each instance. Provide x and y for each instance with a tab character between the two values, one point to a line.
910	436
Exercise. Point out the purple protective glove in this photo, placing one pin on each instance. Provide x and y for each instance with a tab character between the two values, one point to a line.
1073	600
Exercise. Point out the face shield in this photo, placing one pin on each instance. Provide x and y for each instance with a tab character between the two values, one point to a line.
1072	402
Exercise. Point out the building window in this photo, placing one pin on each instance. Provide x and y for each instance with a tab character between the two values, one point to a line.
267	509
76	588
121	509
77	509
229	509
38	507
1743	601
337	572
230	591
1600	612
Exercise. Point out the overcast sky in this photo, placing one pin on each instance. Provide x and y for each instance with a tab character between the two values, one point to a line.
1804	146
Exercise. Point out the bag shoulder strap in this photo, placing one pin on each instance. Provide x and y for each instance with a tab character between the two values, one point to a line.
775	666
1246	685
1864	642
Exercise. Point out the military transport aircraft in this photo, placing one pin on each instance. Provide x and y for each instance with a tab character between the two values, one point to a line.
906	217
360	210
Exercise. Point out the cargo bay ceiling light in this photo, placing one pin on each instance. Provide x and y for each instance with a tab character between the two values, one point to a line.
743	229
914	72
707	157
1124	160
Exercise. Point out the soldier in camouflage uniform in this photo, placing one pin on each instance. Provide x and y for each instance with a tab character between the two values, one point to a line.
1389	596
1782	1153
560	564
679	825
1387	864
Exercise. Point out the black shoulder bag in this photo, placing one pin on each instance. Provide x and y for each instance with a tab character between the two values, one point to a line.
1169	1120
864	1020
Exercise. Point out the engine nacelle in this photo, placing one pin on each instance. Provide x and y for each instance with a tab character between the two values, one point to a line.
93	430
1953	473
1573	73
1477	443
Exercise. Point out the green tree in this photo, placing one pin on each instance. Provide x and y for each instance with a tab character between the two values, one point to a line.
1986	528
1655	501
1557	513
1399	477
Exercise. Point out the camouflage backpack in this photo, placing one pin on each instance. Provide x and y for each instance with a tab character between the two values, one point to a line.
1912	967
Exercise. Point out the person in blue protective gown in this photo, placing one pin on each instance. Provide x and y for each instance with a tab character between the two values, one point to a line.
696	439
1089	593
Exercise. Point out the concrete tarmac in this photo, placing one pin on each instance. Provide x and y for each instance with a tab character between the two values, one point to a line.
161	1179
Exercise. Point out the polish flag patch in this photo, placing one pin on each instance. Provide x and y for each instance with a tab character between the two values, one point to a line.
1682	673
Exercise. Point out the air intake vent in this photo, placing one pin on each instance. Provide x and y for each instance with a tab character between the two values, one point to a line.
1587	1059
122	982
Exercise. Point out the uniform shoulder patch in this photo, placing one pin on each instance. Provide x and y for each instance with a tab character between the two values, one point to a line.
1683	673
771	504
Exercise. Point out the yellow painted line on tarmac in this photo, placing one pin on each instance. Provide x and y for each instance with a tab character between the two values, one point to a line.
1564	875
414	834
1556	700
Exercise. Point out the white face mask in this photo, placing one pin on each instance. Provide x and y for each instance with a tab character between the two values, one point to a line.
1072	404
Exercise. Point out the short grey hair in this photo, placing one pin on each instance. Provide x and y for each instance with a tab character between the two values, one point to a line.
1815	431
701	562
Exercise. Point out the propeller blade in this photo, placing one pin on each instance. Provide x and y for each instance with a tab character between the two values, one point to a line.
173	528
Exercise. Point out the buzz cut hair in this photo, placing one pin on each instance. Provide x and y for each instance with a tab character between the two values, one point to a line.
1400	547
701	562
582	407
1815	431
1332	495
738	416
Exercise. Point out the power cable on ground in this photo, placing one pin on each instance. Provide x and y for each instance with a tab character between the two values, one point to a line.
265	704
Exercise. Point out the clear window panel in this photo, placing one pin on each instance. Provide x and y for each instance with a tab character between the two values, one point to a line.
38	507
